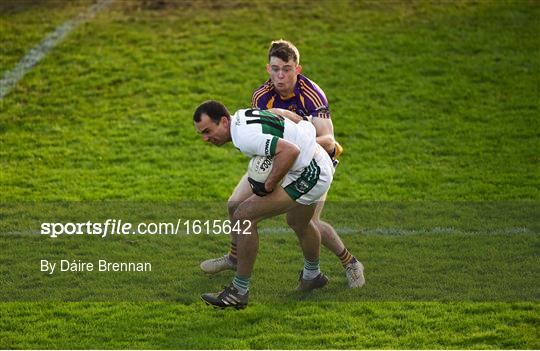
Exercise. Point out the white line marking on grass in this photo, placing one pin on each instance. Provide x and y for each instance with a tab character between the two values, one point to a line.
344	230
404	231
12	77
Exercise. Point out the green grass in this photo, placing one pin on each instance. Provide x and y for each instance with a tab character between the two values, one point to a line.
418	267
430	102
24	23
300	325
436	104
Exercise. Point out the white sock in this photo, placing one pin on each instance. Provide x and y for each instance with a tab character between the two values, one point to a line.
311	269
309	274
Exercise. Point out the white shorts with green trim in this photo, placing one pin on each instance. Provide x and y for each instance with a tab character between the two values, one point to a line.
307	186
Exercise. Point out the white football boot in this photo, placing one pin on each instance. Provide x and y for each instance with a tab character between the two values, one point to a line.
355	274
216	265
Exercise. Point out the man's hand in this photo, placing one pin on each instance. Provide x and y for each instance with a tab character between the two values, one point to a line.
258	188
286	114
338	150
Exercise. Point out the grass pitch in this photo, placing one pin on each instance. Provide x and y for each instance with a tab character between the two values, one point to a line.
436	104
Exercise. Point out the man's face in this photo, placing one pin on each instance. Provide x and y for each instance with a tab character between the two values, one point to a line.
283	75
215	133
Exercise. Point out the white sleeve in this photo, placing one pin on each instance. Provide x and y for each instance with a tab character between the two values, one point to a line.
251	141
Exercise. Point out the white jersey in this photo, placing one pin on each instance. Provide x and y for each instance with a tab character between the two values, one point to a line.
256	132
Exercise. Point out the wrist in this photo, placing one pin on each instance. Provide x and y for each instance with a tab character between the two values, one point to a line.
332	153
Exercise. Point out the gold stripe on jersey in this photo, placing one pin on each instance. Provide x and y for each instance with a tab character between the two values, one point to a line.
314	91
259	93
317	107
270	103
312	95
263	89
313	100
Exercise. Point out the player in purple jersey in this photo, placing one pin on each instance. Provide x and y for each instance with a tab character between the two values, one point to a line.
294	96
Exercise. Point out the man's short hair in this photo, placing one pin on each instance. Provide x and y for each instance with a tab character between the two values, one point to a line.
284	50
214	109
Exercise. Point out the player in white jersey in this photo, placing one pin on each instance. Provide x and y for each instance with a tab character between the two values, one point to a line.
306	171
256	132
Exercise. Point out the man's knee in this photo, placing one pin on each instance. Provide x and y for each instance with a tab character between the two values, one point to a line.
240	194
232	206
321	225
296	224
318	210
242	214
317	222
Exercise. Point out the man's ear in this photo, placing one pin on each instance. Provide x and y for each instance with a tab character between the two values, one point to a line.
298	69
225	121
268	68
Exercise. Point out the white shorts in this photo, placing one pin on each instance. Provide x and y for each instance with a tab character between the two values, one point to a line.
310	184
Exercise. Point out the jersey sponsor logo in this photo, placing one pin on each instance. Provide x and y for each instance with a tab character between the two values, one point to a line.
267	147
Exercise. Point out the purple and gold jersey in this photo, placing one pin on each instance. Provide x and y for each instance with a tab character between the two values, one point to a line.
307	99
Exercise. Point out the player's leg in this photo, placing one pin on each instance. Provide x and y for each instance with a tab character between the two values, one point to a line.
329	237
299	219
248	214
228	261
240	194
354	270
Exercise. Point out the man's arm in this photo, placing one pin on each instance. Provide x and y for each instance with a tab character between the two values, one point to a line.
323	126
286	155
325	133
286	113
